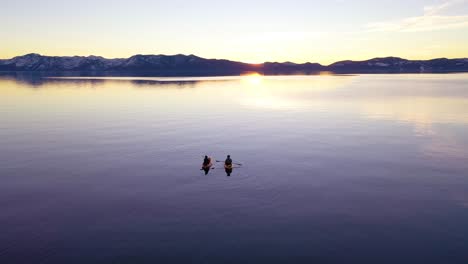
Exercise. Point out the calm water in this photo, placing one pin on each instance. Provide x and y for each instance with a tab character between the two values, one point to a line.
336	169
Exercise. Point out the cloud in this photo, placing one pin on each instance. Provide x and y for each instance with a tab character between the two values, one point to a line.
433	19
437	9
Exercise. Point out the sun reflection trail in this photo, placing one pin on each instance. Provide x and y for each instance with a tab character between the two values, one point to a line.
253	78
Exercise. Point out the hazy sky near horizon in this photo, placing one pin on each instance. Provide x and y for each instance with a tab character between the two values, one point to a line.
249	31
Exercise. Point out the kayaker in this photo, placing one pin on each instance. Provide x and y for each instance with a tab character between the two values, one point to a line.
228	160
206	161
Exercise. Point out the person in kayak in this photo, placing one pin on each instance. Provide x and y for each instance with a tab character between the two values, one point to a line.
228	165
206	161
228	161
207	164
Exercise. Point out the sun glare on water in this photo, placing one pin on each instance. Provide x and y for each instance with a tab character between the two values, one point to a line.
252	78
260	95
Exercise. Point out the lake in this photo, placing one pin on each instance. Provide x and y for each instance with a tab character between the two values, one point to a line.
335	169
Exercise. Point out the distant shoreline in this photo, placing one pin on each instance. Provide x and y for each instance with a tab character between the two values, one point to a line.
191	65
102	74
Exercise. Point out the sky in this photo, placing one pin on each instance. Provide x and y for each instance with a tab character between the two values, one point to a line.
251	31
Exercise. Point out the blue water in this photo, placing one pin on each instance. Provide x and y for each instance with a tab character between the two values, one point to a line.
335	169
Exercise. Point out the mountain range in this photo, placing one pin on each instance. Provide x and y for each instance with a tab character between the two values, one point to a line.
191	64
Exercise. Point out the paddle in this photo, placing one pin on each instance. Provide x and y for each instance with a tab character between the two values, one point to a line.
220	168
212	168
232	163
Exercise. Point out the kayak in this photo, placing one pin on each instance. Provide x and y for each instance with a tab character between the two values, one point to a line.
228	167
208	166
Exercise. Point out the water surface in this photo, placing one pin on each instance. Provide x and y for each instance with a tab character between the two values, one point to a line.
336	169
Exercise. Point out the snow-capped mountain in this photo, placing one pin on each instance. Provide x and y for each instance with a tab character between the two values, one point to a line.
394	64
181	64
36	62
